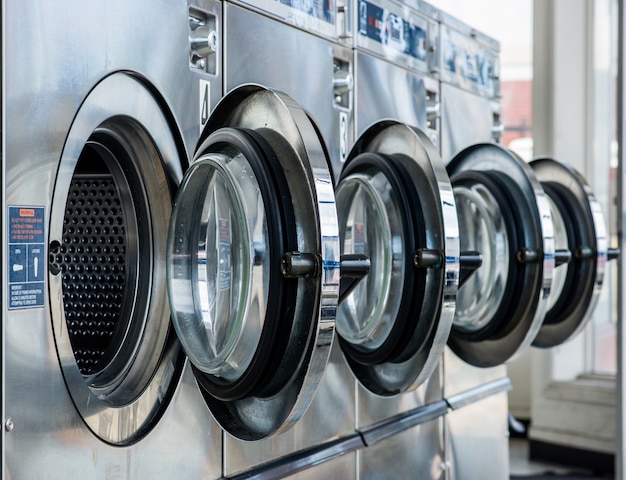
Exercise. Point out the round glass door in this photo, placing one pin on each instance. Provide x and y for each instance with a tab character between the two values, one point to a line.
253	262
395	206
580	229
504	215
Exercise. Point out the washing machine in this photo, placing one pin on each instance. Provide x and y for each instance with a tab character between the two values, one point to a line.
400	352
396	68
475	379
97	128
264	44
172	269
535	225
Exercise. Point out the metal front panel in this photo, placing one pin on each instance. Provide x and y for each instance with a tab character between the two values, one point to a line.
414	453
477	444
460	376
341	467
386	91
330	416
372	408
277	61
249	60
466	119
76	45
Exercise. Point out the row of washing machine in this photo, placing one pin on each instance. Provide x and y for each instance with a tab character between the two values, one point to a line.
232	248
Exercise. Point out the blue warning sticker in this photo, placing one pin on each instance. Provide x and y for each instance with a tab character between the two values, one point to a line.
26	257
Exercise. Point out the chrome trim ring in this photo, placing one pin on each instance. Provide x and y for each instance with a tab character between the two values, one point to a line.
592	229
123	408
537	233
302	155
414	150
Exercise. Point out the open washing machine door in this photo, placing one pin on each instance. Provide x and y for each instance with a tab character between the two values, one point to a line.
253	262
504	215
579	227
395	205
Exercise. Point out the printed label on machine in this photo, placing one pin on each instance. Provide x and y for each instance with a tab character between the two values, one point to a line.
26	263
390	30
205	103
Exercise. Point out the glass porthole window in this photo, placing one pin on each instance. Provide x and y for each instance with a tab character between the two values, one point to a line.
253	262
395	206
504	216
370	224
221	325
561	242
482	229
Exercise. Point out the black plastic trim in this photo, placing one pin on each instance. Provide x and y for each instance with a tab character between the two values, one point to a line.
581	272
571	456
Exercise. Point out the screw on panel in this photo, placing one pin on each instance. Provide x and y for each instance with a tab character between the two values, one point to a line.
9	425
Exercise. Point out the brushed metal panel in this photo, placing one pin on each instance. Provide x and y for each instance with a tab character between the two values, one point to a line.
330	416
294	61
414	453
387	91
48	69
460	376
477	444
372	409
466	119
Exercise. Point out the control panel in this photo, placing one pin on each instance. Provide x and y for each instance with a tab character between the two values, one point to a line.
399	34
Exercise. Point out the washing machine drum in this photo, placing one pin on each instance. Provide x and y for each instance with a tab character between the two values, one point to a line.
253	262
395	206
504	215
579	228
108	232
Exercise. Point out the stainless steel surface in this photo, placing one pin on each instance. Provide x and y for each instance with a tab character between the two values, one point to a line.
43	99
474	430
120	403
289	131
414	453
593	235
311	83
469	112
405	102
396	81
537	235
52	103
330	416
466	119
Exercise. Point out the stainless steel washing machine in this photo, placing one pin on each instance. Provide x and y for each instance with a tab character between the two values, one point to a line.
99	117
101	228
531	224
475	380
396	68
321	82
393	163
